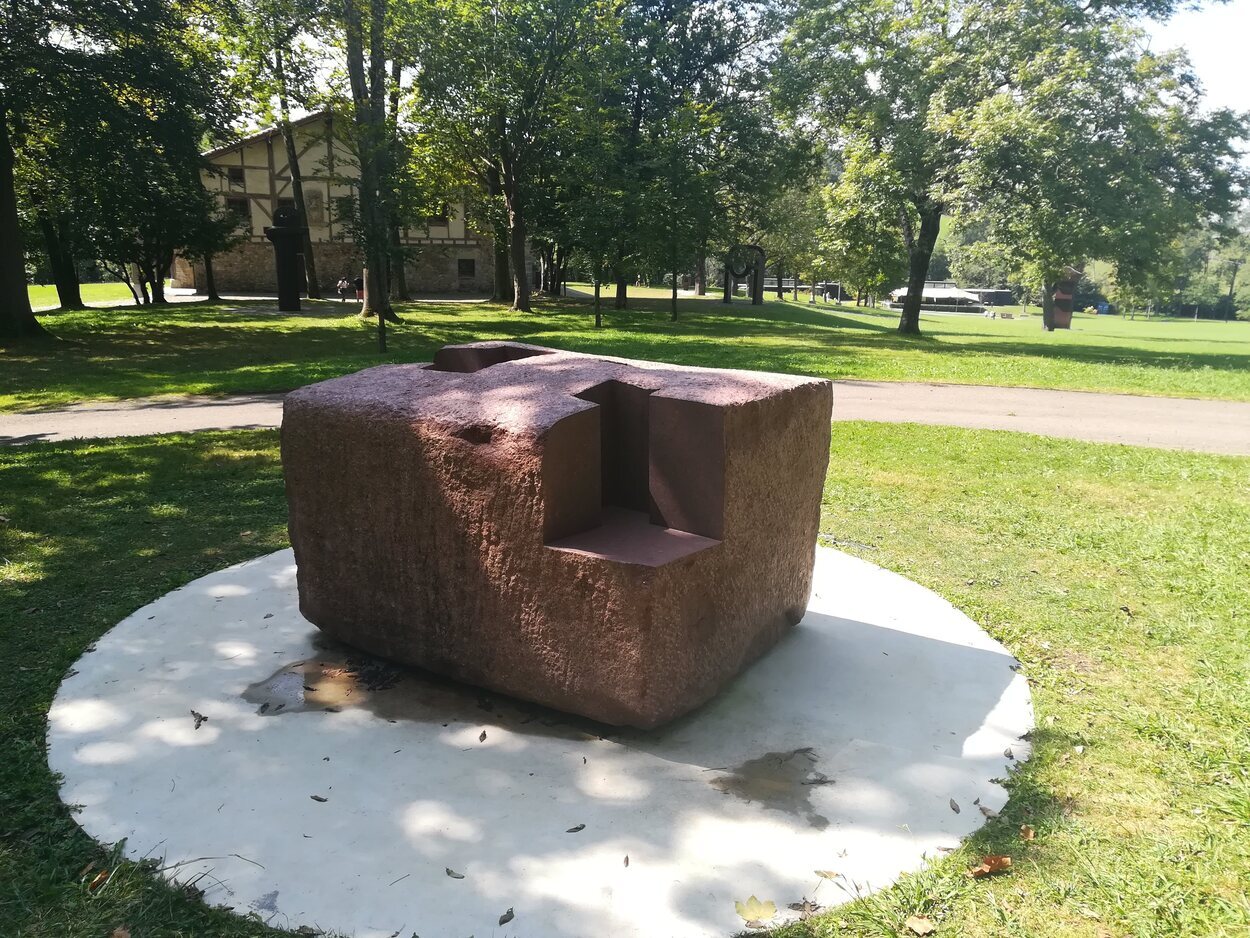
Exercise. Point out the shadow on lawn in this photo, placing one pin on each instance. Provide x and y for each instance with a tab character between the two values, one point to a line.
95	531
128	352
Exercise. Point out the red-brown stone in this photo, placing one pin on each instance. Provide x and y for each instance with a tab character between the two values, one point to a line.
612	538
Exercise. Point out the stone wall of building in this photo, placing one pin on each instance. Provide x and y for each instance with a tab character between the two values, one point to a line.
431	268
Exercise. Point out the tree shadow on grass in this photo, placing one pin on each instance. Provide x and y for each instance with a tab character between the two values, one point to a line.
92	532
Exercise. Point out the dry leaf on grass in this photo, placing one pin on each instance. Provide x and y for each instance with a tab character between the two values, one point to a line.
989	865
756	913
121	931
826	874
1027	833
988	812
920	925
99	880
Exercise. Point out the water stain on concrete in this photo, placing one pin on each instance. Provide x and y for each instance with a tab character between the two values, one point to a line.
780	781
338	677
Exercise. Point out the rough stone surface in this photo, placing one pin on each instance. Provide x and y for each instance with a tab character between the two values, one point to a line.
611	538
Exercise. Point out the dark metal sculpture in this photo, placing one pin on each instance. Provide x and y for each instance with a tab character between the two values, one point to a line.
745	260
287	235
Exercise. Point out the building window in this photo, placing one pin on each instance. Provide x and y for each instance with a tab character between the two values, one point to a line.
235	176
466	267
239	208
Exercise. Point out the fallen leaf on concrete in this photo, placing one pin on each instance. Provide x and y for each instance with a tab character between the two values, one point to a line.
1027	833
99	880
954	805
453	874
318	798
482	738
988	812
506	917
990	865
1008	753
756	913
920	925
806	909
574	830
198	718
827	874
627	861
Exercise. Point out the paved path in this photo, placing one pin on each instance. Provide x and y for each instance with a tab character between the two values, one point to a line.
1169	423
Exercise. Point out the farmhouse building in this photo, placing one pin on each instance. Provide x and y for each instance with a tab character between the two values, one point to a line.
252	180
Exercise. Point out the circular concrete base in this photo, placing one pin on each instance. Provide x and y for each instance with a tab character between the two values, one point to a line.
216	731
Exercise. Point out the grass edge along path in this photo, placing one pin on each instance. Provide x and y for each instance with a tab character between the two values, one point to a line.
1113	573
246	347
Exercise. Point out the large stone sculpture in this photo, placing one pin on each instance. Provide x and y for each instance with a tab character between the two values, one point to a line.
611	538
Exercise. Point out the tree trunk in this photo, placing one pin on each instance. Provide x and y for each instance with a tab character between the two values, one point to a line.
17	321
297	178
1048	305
674	296
368	96
396	266
61	262
516	242
781	291
598	311
210	281
156	277
920	252
399	272
700	272
142	281
622	291
503	292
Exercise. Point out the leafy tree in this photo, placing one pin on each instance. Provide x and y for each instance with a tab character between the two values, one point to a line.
1097	151
492	79
901	79
151	75
278	65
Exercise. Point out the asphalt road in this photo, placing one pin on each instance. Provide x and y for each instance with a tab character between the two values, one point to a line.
1168	423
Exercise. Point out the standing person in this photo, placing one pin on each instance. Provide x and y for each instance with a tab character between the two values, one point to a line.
343	287
359	284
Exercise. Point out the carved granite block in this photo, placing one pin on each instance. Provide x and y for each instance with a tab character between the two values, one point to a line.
612	538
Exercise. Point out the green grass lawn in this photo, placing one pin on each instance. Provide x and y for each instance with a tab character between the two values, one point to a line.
194	348
43	296
1115	574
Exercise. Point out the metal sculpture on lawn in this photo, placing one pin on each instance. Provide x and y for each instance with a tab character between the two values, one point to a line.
287	236
745	260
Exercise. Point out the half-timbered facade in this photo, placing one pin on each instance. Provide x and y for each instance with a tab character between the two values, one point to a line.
252	179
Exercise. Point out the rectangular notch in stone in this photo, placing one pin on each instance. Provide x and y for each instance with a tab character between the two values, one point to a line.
466	359
572	476
623	442
686	466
